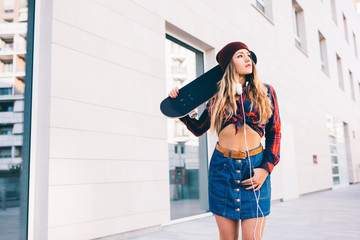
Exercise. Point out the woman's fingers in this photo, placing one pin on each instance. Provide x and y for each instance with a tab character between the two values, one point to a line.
248	181
174	92
258	187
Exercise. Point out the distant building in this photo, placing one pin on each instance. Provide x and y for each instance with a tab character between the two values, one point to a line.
13	30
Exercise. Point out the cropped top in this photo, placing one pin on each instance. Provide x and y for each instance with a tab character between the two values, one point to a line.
271	130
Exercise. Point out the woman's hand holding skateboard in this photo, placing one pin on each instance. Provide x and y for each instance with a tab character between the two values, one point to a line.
174	92
192	95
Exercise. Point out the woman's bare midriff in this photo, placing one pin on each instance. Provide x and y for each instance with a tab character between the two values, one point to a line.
229	140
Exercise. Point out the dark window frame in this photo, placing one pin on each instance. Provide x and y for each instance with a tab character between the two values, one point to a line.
25	169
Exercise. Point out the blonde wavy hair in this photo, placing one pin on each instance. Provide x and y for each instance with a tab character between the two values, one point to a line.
223	103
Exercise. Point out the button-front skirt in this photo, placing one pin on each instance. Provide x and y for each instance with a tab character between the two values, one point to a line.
227	197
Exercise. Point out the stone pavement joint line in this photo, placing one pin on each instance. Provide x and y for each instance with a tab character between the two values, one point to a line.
326	215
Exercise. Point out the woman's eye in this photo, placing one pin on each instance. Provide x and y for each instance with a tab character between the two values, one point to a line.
242	56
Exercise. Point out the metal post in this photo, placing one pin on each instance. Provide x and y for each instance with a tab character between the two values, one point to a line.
3	207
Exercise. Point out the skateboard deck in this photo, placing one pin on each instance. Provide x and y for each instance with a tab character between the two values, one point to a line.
193	94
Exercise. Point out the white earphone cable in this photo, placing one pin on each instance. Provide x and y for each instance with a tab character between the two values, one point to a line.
247	149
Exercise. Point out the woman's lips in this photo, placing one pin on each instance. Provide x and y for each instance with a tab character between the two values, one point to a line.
249	65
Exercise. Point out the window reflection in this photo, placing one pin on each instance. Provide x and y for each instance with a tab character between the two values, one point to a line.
187	156
13	33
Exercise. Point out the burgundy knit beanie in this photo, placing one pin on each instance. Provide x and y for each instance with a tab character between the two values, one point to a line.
226	53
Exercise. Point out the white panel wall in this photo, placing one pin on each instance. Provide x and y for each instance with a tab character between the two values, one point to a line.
108	166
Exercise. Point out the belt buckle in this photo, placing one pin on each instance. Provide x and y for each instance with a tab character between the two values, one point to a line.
241	153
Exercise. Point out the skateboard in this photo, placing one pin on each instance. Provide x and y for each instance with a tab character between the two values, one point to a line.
193	94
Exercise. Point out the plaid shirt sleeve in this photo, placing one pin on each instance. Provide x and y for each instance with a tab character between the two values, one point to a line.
198	127
271	154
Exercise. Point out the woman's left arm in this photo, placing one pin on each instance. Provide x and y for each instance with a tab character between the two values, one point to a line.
271	154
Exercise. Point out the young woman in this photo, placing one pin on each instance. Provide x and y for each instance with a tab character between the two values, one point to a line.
239	173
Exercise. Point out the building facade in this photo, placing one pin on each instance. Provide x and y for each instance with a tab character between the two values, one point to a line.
105	162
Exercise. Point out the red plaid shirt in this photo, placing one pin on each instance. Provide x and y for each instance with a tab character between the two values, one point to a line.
272	129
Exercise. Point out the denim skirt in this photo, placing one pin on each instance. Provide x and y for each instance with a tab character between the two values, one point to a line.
227	197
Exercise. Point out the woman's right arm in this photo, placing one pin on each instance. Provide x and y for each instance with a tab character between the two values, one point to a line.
197	127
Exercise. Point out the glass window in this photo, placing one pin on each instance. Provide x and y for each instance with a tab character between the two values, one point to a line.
336	180
8	66
9	45
6	107
264	6
299	26
188	161
6	129
333	11
5	152
9	5
333	149
261	5
17	151
13	205
296	27
355	44
334	159
352	85
340	72
332	139
345	28
335	170
5	91
323	53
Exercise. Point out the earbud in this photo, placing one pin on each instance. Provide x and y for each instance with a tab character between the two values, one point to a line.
238	88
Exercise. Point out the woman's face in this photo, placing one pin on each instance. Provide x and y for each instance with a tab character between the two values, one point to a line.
242	62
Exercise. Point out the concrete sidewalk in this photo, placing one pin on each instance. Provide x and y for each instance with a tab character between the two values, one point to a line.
326	215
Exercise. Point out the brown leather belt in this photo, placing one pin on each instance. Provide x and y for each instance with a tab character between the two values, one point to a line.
238	154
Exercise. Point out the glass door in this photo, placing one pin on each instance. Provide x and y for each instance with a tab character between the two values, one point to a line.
338	155
334	160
